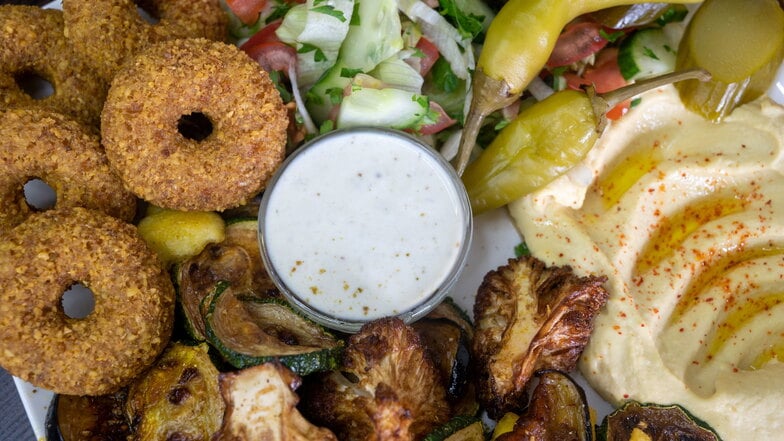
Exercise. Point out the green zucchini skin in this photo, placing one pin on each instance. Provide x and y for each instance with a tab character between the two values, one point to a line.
652	419
302	361
453	427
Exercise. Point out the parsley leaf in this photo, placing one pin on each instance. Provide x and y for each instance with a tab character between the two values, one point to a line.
675	13
277	80
318	54
443	76
279	10
330	10
335	95
648	52
430	116
349	73
611	37
469	25
327	126
522	250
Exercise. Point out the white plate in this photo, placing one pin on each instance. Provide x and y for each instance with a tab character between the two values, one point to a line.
493	244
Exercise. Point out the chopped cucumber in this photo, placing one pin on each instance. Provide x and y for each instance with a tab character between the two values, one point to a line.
647	53
395	72
385	107
317	33
374	34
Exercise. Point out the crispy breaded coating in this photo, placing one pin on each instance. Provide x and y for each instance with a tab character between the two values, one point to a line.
109	32
129	326
65	155
215	84
33	45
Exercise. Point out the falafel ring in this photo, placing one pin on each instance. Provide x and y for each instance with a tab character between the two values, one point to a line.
33	47
194	125
129	326
62	153
109	32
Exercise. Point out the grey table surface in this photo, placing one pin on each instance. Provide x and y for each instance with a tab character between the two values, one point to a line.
14	425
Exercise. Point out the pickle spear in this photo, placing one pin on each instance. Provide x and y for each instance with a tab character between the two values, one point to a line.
741	43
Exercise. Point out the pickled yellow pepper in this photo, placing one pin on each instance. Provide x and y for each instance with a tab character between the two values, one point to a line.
517	45
546	140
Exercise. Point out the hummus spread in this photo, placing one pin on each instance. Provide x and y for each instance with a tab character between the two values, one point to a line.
686	218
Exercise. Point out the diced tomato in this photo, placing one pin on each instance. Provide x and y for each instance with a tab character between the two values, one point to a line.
429	55
444	121
266	48
274	56
264	35
577	41
619	110
604	75
247	11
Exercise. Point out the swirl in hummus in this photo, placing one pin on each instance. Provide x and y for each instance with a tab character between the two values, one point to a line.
686	218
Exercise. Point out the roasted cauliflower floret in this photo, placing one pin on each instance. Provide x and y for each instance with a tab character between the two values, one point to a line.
261	405
388	388
528	317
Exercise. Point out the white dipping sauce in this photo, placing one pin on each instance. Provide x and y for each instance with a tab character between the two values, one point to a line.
363	224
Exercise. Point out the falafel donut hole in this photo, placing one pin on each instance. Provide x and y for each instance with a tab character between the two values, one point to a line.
128	26
131	321
63	160
194	125
40	70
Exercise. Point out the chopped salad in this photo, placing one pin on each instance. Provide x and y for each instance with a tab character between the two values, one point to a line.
407	64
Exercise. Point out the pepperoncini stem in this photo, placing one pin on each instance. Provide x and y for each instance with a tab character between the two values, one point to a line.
606	101
547	140
488	94
516	47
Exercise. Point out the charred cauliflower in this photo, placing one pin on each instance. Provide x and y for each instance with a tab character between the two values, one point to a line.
528	317
388	388
261	405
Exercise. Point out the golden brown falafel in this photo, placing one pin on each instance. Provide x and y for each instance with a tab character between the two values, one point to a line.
222	92
33	47
65	155
129	326
109	32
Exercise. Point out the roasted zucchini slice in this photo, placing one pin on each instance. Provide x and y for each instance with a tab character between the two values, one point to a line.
652	422
236	260
196	279
387	388
459	428
449	347
245	233
248	331
557	411
261	405
178	398
81	418
450	310
529	317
